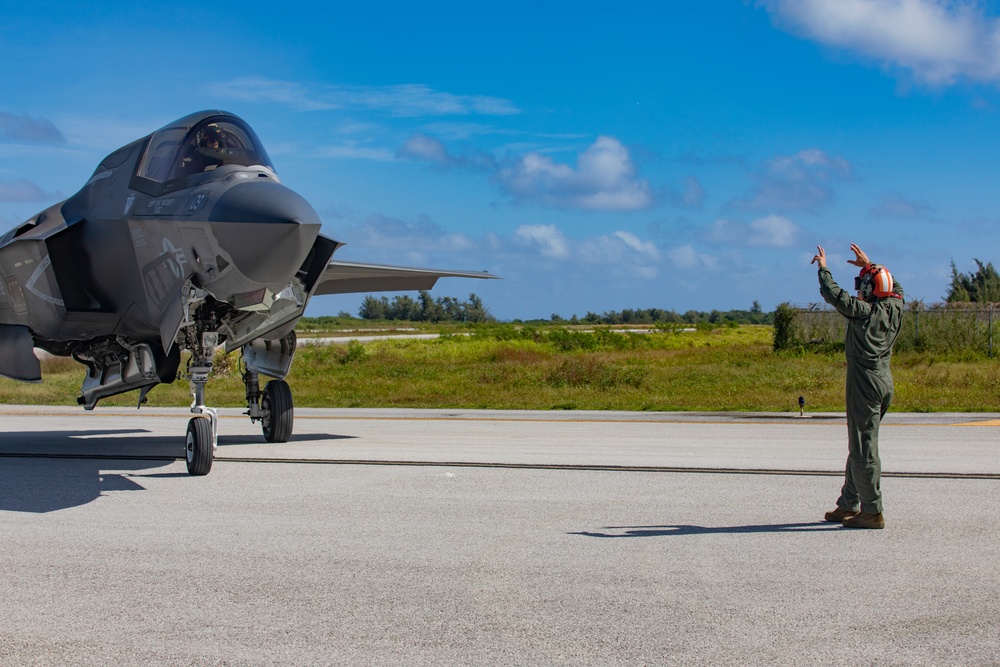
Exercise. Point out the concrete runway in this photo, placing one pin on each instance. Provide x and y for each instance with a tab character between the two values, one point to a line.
454	537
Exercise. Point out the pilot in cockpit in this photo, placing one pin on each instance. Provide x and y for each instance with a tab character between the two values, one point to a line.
211	137
205	153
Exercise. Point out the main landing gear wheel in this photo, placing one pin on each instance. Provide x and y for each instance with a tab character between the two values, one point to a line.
276	404
198	447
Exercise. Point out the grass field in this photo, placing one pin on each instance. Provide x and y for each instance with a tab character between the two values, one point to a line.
507	367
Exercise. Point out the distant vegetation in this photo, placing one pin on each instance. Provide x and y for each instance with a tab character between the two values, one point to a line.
983	286
426	308
659	316
511	366
733	360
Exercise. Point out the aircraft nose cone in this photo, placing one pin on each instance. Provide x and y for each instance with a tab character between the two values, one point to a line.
266	229
263	202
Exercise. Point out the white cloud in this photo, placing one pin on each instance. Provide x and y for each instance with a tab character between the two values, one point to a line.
619	249
937	40
23	191
259	89
382	232
422	147
384	236
28	129
690	195
773	231
647	248
420	100
462	131
685	257
547	238
428	149
894	205
397	100
799	182
726	231
356	152
604	180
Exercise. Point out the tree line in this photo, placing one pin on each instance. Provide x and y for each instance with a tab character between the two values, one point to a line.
755	315
979	286
425	308
982	286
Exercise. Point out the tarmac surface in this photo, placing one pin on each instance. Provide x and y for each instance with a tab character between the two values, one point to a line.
459	537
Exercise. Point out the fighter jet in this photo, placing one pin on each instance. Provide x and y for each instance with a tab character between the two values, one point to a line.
184	240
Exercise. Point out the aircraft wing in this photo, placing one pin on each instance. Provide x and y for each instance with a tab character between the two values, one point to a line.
352	277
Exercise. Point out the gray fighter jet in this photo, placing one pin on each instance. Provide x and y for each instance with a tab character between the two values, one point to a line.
182	240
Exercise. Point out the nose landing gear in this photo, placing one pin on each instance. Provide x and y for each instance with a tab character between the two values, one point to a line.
272	407
202	431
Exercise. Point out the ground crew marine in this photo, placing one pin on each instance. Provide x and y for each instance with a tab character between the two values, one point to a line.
873	323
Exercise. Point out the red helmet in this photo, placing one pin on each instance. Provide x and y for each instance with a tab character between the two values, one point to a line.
875	280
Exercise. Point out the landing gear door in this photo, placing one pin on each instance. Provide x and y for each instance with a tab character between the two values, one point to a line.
270	357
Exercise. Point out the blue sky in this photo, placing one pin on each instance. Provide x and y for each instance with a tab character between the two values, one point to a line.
596	155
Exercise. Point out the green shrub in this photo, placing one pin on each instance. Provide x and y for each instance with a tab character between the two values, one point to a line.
784	320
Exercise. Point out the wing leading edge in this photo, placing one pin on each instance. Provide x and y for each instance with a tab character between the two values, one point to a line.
353	277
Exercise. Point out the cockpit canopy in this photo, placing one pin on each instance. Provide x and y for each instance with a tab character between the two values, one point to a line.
175	156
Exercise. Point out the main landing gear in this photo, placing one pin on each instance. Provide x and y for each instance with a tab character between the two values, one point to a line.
272	407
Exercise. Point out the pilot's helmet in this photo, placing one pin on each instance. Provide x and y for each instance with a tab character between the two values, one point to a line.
211	136
875	281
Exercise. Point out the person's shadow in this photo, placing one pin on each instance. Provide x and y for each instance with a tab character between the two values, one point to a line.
678	530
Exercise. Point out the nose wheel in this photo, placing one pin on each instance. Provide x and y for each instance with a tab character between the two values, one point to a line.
198	447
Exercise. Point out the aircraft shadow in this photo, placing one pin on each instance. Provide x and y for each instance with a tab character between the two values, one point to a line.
40	486
137	442
678	530
46	471
225	440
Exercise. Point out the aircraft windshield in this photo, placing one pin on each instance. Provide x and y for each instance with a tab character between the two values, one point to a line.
175	153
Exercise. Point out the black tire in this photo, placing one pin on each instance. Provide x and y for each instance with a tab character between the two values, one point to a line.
276	404
198	446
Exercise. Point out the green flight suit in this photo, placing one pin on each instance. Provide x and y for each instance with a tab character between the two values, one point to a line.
872	328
